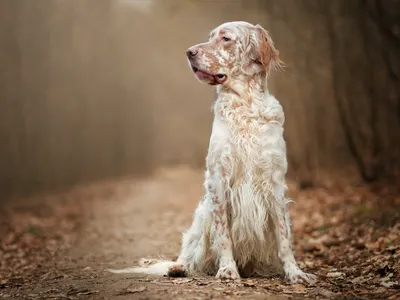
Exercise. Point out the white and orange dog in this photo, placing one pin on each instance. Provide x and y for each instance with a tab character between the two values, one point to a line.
242	226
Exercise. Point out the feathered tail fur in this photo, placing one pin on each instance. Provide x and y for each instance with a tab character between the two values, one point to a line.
154	267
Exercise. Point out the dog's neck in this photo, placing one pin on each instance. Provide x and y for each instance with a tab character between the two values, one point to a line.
245	90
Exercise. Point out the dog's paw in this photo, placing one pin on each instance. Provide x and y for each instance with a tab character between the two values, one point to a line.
295	275
228	272
176	270
301	277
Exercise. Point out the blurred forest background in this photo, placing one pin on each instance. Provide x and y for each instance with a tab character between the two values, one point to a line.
100	89
98	106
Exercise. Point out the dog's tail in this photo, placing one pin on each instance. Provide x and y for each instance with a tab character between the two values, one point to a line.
155	267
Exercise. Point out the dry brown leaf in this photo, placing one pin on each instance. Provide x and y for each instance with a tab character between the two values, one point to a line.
335	274
136	290
182	280
323	292
360	279
249	283
87	293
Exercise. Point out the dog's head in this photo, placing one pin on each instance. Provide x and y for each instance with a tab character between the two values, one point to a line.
233	50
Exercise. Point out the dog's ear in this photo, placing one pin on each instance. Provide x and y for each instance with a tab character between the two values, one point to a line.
268	55
262	53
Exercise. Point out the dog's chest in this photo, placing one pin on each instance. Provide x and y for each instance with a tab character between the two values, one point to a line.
246	143
238	136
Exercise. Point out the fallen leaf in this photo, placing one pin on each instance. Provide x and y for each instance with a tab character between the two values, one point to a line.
384	271
87	293
136	290
182	280
249	283
360	280
299	287
295	289
389	284
335	274
323	292
3	282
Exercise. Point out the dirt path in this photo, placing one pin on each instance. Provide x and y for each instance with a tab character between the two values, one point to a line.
58	247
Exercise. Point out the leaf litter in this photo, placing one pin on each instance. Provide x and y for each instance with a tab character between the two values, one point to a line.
348	236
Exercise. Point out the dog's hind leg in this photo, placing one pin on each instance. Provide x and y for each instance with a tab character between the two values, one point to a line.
192	250
282	233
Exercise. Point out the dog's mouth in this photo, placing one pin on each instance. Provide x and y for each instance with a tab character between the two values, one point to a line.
209	78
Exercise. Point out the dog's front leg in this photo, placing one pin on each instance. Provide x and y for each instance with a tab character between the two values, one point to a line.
282	232
218	189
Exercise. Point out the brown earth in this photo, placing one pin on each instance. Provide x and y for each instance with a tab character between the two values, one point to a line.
58	246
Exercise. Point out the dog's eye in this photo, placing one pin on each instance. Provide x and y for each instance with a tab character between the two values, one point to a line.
226	39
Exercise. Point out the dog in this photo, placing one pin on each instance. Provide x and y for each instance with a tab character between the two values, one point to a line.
241	227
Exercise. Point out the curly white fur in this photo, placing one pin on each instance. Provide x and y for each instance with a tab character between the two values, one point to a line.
242	226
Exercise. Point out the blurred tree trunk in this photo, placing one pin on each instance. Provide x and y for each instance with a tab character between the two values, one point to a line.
341	88
365	49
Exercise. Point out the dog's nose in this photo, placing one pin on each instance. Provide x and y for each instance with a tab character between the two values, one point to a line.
191	52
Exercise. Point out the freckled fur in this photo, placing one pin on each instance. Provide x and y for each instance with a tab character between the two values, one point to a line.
242	224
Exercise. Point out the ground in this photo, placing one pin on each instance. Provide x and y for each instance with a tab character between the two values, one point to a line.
58	246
